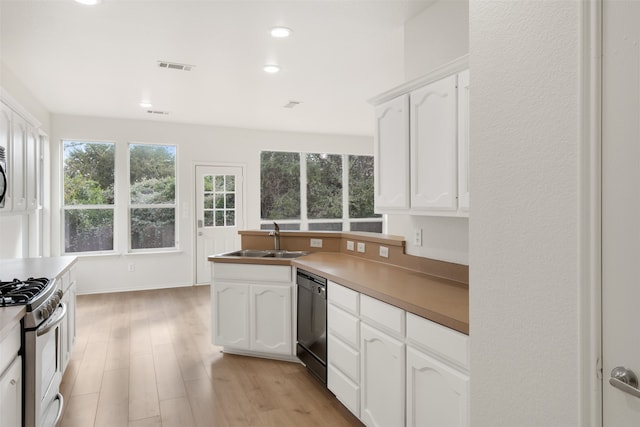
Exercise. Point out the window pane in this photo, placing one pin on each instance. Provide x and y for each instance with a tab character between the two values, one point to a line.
361	187
324	186
219	201
231	201
88	173
230	218
325	226
219	182
230	183
279	185
219	219
153	228
208	183
88	230
373	226
152	170
208	201
208	218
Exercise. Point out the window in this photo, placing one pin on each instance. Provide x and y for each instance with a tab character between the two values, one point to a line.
95	214
219	200
318	191
152	203
88	180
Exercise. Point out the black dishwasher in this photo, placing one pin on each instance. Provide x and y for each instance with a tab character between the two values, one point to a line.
312	323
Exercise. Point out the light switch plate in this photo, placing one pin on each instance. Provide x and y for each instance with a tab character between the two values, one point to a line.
350	245
315	243
361	247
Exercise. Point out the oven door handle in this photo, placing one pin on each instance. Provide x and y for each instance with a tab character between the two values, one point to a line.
52	322
59	414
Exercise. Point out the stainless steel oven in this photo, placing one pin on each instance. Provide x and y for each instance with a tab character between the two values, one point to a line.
312	323
42	341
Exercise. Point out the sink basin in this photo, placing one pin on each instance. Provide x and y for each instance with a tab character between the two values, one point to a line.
256	253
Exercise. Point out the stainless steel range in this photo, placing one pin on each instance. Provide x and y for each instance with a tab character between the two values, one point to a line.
41	328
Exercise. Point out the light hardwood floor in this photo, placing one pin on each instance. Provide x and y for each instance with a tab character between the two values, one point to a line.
145	359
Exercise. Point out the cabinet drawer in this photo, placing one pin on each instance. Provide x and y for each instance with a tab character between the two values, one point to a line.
344	325
345	390
382	314
343	297
9	347
438	339
345	358
252	272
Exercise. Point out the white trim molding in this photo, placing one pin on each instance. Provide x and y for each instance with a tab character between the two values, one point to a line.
589	217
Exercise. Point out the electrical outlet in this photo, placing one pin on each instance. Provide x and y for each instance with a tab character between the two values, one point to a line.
131	267
384	252
417	237
316	243
350	245
361	247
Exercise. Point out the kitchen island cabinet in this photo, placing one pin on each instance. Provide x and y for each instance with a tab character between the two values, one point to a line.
252	309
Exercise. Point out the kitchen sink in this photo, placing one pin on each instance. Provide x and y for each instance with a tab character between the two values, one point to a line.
256	253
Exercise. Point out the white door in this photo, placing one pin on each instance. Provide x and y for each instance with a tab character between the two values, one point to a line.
620	207
219	214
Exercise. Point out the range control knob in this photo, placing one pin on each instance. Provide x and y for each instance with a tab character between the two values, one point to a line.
45	311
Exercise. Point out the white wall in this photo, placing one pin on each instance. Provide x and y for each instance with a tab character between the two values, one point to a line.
434	37
196	144
437	35
524	314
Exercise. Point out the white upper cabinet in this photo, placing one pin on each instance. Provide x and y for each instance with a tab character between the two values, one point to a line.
422	145
463	140
391	154
434	157
18	166
21	142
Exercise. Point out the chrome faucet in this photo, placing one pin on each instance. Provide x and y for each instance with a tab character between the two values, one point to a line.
276	236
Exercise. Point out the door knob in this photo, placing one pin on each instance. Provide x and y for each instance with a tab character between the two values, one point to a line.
625	380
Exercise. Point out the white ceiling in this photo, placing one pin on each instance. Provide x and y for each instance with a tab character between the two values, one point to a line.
102	60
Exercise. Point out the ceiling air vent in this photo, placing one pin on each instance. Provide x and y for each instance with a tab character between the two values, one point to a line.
175	66
158	112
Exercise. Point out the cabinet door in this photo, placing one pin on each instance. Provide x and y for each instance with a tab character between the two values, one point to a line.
11	395
5	142
434	157
463	141
17	169
32	164
383	378
230	315
391	155
271	319
437	395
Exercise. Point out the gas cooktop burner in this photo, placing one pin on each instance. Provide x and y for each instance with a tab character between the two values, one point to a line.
19	292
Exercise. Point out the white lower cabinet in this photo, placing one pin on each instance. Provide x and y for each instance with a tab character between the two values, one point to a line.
11	395
271	326
343	344
382	373
392	368
437	394
252	308
68	329
11	379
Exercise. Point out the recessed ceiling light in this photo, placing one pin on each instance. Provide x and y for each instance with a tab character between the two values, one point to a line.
281	32
146	104
270	68
89	2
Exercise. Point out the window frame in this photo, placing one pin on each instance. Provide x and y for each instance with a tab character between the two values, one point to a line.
304	220
65	207
131	206
122	205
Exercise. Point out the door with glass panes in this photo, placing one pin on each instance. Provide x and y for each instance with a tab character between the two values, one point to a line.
219	214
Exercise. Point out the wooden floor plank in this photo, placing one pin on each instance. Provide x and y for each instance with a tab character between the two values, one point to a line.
147	360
